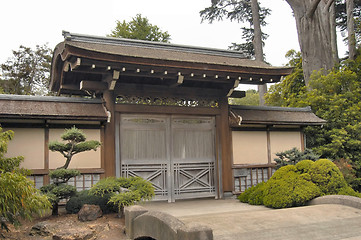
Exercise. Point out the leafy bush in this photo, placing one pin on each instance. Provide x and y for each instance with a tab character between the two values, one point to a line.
123	191
327	177
244	197
76	202
257	195
292	189
348	170
295	185
18	196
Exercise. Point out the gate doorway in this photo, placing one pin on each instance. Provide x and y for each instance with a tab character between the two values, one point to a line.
175	153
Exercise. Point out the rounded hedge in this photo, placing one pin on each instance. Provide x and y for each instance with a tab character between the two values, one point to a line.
327	176
291	190
257	195
295	185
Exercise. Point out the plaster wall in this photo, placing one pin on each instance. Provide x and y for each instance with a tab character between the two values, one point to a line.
249	147
29	143
282	141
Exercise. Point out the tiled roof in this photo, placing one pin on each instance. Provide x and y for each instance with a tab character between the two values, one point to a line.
25	107
273	115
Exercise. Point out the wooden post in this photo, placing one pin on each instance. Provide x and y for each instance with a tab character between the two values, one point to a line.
225	147
46	178
269	154
109	134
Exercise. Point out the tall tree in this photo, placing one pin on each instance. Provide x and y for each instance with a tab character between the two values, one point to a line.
240	11
351	29
27	72
139	28
314	34
258	48
75	142
243	11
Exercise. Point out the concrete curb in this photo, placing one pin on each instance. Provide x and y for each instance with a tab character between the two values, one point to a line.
139	222
338	199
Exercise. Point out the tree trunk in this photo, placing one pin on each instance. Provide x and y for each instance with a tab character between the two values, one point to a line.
257	44
314	34
333	34
55	209
351	29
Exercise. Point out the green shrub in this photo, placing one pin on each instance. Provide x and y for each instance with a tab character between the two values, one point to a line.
244	197
349	192
283	171
123	191
304	166
289	191
124	199
105	186
326	175
257	195
76	202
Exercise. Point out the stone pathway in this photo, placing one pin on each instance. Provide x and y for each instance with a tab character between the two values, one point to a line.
231	219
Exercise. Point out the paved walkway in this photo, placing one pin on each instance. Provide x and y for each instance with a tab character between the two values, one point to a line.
231	219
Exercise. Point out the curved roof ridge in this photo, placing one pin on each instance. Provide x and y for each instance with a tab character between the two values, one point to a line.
48	98
150	44
272	108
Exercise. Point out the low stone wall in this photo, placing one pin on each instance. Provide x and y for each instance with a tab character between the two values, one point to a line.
338	199
139	222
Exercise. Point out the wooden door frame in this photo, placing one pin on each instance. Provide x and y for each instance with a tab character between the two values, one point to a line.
223	162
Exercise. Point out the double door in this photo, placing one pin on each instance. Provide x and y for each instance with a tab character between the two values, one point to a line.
175	153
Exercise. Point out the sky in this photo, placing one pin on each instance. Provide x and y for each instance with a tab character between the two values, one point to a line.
37	22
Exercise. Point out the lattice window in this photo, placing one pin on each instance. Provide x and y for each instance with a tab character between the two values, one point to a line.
38	180
84	181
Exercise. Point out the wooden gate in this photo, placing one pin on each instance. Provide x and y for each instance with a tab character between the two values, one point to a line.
175	153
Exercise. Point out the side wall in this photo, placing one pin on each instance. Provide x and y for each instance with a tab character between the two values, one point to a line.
254	151
32	144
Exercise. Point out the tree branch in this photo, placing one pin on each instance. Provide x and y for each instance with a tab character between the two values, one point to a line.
313	8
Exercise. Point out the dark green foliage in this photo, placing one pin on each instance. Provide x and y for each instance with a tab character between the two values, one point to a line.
295	185
27	72
76	202
293	156
333	96
139	28
73	134
63	175
123	191
75	143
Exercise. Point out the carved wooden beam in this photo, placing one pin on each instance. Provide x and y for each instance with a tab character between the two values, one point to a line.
93	85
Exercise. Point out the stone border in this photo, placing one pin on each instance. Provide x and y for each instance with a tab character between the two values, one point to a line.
139	222
337	199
